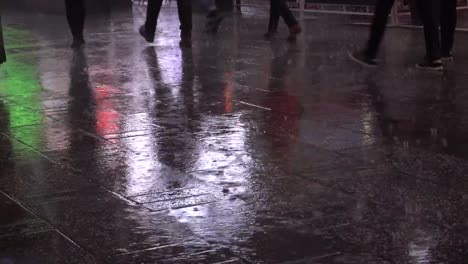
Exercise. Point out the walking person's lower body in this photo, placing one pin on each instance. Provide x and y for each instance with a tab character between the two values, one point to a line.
76	13
368	55
184	8
439	19
279	9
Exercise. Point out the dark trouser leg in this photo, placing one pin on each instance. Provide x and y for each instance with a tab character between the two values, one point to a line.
2	48
448	22
429	16
379	24
274	17
76	13
184	7
286	13
152	14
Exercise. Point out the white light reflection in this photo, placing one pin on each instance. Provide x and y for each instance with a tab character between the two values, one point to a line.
224	166
170	64
419	249
142	165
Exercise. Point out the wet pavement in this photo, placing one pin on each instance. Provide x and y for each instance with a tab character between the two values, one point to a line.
237	150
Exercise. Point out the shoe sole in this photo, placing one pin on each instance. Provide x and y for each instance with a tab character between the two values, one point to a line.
351	56
432	69
447	59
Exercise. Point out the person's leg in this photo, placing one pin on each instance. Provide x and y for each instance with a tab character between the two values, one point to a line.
152	14
428	10
286	13
379	24
430	18
448	22
2	47
184	8
148	30
274	18
75	12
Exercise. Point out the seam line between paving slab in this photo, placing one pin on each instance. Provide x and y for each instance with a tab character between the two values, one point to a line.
148	249
47	222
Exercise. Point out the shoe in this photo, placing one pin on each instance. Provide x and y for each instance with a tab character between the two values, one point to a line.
77	42
294	31
148	37
363	59
447	57
435	65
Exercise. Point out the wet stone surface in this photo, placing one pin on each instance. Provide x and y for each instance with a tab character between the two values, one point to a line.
235	151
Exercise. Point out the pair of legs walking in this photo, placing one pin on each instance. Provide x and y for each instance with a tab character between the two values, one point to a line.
279	9
184	8
433	13
439	18
76	13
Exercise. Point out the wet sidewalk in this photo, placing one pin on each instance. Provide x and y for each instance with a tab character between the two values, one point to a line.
235	151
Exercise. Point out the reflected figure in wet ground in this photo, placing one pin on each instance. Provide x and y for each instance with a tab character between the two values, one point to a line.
214	17
82	110
75	11
279	9
439	43
2	44
175	115
285	106
184	7
6	146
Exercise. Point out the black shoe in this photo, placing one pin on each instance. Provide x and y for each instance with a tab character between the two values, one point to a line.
361	58
144	33
435	65
77	42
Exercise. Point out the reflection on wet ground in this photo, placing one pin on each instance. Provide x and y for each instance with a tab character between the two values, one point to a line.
235	151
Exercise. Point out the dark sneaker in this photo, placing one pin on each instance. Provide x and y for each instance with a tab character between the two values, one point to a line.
77	42
147	36
361	58
294	31
431	65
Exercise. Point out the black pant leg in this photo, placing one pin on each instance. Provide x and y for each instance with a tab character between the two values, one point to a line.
2	47
152	14
274	17
379	24
430	19
286	13
184	8
75	11
448	22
